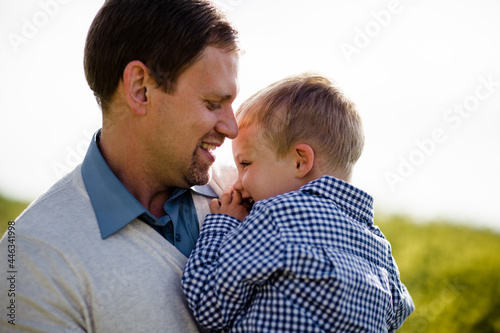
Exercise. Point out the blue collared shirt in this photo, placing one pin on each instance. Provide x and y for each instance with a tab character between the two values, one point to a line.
305	261
115	206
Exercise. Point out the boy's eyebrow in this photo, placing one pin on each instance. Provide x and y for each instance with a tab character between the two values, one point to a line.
239	156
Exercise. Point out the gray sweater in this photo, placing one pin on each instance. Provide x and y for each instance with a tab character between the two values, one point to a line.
67	279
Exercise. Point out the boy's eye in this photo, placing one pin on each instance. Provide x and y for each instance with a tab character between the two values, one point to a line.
244	164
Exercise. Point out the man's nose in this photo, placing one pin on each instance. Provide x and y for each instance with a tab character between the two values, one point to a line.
227	125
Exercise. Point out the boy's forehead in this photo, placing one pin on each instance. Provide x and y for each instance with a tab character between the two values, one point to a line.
248	140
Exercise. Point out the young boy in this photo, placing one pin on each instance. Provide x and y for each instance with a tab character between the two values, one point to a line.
308	257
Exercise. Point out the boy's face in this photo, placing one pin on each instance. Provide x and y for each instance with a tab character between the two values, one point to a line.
260	173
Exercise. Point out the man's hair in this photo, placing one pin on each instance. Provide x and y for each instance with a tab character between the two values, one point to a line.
166	35
311	109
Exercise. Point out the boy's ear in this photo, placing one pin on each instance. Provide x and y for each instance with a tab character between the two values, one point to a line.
304	159
135	84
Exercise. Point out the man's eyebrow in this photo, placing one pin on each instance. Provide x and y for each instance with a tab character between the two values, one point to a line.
225	97
222	97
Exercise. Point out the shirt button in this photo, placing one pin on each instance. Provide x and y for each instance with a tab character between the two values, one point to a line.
178	237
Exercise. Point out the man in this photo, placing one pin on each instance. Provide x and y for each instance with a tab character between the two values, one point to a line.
103	250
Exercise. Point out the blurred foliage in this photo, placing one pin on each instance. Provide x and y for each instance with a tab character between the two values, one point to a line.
9	211
451	271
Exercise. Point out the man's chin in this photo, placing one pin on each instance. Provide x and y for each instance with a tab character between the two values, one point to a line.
198	177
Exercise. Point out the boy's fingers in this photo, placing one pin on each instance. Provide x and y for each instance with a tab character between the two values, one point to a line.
214	205
225	198
237	198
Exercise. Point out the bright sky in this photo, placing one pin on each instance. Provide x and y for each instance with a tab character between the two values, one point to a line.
425	75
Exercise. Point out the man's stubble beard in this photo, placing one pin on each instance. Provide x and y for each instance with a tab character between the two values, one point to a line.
198	173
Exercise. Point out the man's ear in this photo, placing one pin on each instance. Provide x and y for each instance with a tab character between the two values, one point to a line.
304	159
135	84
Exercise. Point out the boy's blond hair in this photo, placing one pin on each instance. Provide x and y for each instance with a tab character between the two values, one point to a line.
307	108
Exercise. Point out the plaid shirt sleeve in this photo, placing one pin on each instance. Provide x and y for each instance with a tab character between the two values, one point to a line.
225	265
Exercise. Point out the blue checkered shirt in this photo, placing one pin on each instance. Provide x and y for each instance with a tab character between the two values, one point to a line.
305	261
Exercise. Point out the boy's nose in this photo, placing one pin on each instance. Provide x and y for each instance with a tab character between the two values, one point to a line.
237	186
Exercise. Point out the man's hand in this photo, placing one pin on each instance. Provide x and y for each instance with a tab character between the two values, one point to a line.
230	203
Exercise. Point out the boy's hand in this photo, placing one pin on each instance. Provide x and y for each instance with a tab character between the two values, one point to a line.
230	203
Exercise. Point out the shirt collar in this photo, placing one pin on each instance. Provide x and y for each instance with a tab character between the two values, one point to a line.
205	190
113	204
357	203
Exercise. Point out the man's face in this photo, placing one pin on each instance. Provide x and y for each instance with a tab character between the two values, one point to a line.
187	125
